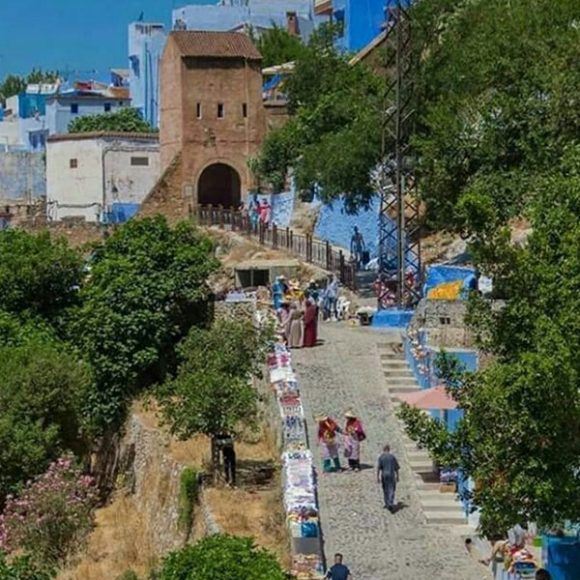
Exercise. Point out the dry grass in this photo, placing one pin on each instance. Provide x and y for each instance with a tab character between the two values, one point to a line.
120	541
258	514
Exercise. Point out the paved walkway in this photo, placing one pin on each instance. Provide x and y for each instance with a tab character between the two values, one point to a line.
377	545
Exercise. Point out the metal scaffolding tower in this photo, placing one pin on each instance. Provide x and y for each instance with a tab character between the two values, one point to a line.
399	223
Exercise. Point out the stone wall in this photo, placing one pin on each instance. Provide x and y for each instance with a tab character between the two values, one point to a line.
234	310
77	232
154	479
444	322
167	197
22	176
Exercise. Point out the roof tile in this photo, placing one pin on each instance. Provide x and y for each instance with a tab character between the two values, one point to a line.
201	43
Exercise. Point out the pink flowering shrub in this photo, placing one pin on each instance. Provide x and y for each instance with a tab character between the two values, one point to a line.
52	516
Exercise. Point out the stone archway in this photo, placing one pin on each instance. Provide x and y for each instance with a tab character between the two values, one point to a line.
219	184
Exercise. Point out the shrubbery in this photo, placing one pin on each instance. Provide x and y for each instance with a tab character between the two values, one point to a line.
52	516
222	557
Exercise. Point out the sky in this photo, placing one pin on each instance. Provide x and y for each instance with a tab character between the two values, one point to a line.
74	34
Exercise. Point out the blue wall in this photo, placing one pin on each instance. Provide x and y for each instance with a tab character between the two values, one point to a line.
336	225
363	21
22	175
146	44
259	13
59	114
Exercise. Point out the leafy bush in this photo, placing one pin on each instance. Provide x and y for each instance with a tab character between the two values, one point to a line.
147	288
126	120
222	557
188	495
52	516
38	275
41	386
23	568
212	393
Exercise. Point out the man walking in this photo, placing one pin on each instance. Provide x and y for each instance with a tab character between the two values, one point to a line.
357	247
339	571
388	476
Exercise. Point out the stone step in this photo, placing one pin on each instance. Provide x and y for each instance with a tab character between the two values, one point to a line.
410	381
399	374
442	506
403	389
391	361
417	455
450	517
421	466
427	485
434	494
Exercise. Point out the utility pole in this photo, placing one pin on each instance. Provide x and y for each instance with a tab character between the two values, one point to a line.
399	224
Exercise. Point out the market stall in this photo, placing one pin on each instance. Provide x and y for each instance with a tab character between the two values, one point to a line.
300	501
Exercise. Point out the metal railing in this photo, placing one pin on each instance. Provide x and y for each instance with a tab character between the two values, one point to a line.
303	246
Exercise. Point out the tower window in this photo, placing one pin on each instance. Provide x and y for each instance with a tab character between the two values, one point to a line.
220	110
73	163
244	110
198	110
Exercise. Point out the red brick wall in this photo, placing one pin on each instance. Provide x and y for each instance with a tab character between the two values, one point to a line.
167	197
233	139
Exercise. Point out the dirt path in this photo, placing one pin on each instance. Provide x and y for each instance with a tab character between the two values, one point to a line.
343	373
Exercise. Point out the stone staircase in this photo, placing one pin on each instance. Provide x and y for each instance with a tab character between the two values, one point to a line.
438	507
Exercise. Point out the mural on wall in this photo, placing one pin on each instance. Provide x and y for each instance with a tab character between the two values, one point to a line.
336	225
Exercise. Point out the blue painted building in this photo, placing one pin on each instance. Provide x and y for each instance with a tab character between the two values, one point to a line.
361	20
146	44
236	15
67	106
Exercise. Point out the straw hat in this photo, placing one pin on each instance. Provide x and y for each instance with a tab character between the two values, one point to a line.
318	417
349	414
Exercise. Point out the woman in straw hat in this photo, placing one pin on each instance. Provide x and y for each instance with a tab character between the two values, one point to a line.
353	436
328	431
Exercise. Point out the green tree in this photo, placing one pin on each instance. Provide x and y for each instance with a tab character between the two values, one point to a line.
520	438
222	556
41	388
336	111
147	288
212	393
12	85
278	46
126	120
39	275
497	90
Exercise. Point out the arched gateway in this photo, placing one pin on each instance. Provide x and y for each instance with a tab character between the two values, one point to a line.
219	184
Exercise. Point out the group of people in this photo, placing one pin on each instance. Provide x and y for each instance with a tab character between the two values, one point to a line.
259	211
353	435
298	310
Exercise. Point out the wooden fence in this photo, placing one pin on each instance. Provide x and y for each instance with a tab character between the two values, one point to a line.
303	246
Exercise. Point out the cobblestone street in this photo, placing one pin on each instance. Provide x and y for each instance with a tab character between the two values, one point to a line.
342	373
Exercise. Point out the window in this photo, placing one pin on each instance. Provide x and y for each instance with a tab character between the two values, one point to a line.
107	107
444	320
244	110
73	163
198	110
74	108
140	161
220	110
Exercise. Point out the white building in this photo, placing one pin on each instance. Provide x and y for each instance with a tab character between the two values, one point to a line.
100	176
